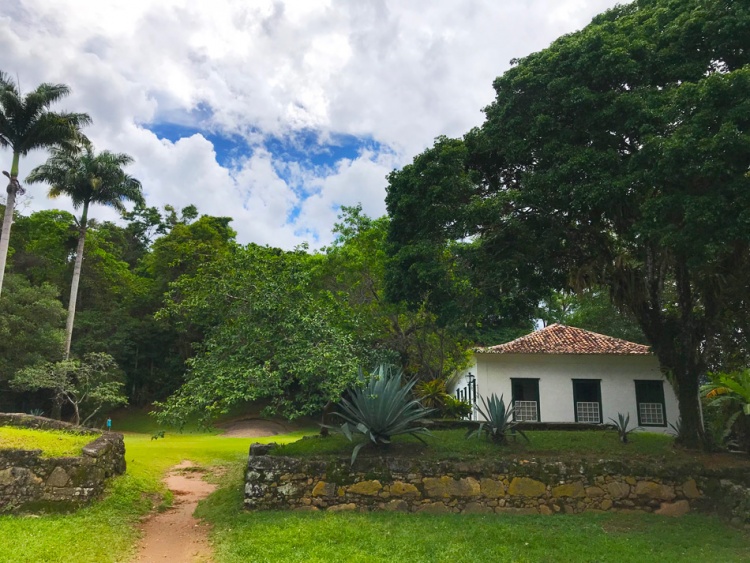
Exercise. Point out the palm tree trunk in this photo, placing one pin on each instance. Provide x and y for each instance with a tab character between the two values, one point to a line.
8	217
74	283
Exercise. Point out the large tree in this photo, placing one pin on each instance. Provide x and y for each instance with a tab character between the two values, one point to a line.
622	151
27	124
87	178
270	335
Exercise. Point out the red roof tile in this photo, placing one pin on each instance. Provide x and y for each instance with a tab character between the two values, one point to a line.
561	339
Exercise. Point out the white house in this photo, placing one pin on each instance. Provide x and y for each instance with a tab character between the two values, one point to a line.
566	374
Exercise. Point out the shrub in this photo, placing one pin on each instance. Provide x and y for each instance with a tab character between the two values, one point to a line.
381	407
621	425
455	408
498	420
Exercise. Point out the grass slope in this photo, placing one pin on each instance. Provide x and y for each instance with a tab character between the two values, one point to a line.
240	536
452	444
53	443
107	531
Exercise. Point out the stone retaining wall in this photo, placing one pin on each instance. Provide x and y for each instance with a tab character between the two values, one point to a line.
31	483
532	486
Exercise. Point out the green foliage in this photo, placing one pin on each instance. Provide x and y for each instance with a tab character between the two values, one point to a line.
591	309
89	384
433	394
728	402
269	335
498	420
621	425
31	320
433	266
381	406
606	161
353	269
455	409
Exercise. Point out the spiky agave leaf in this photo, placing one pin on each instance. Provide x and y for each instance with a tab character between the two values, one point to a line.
498	419
379	408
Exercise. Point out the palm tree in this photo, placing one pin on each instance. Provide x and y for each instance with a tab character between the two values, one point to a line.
86	178
27	124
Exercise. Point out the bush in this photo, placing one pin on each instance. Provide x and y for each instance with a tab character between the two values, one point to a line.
381	407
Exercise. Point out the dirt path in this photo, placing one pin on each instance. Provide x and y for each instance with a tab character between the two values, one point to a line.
175	535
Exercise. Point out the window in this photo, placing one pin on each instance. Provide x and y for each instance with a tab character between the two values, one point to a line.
587	400
649	395
525	399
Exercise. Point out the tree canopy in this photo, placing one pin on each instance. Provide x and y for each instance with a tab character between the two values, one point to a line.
618	157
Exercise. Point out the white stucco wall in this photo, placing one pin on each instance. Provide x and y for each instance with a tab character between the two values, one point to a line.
556	372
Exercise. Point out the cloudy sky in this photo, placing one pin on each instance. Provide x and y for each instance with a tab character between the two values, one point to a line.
275	113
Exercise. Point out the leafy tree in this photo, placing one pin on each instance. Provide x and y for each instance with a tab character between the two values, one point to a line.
187	247
269	335
27	124
43	246
31	321
618	158
591	309
436	262
89	384
86	177
353	268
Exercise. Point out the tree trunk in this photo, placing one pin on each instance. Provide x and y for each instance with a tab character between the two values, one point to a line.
56	408
74	283
692	434
77	414
10	204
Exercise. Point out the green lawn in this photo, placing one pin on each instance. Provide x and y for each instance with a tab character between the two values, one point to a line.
240	536
107	530
53	443
452	444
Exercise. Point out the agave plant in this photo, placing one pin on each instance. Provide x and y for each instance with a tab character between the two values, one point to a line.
621	425
380	407
498	420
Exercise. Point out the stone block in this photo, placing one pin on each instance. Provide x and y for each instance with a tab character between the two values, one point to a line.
574	490
513	510
679	508
526	487
323	489
401	489
594	492
618	489
546	510
492	488
434	508
348	507
476	508
58	478
396	505
655	491
690	489
447	487
368	488
606	504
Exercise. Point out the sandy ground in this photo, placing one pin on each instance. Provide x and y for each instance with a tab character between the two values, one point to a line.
254	428
175	535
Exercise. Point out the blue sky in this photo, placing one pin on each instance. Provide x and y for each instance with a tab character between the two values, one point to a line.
274	112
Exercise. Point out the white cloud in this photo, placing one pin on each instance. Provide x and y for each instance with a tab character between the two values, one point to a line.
399	73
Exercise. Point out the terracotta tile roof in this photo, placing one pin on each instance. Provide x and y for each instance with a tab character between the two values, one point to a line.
561	339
